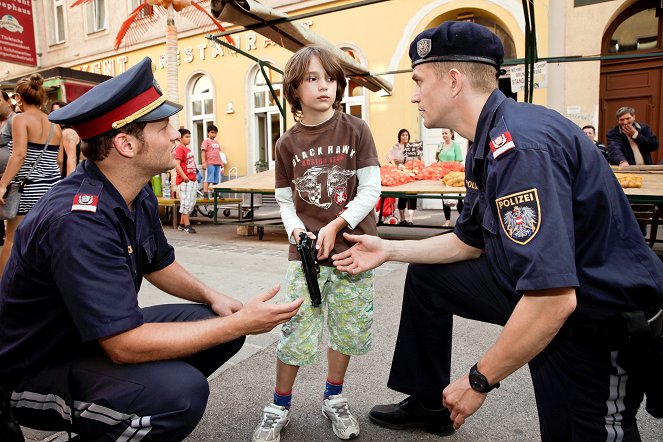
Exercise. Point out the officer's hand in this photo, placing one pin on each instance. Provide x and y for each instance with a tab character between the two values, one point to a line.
224	305
367	253
461	400
623	163
257	316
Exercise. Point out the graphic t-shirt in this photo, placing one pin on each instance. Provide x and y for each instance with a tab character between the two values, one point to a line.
212	151
187	162
320	165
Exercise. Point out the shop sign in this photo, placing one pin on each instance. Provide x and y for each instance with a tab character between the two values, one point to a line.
17	34
204	51
517	74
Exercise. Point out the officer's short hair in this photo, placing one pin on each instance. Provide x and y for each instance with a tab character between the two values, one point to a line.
625	110
98	148
481	76
589	126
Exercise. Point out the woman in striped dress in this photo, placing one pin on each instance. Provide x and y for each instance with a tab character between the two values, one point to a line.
29	133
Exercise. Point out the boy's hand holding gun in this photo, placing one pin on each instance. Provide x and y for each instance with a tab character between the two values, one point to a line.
308	255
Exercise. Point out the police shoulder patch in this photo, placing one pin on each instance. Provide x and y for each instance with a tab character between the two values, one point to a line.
520	215
501	140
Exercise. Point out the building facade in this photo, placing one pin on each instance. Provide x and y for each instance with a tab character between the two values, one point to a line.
220	86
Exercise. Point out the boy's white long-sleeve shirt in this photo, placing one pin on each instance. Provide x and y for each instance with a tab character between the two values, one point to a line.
368	193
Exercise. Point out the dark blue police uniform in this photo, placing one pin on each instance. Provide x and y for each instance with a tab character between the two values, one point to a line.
78	263
73	278
546	208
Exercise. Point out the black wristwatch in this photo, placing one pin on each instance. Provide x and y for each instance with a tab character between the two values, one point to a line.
478	382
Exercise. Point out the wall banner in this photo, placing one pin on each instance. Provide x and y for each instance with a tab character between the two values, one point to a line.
17	34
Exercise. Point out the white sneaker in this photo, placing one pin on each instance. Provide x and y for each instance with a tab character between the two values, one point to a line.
337	410
274	419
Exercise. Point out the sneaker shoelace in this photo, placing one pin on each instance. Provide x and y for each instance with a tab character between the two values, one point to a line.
269	421
341	410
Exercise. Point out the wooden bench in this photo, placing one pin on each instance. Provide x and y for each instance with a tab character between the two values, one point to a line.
172	205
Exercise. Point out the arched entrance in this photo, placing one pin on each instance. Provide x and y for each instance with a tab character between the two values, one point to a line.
633	82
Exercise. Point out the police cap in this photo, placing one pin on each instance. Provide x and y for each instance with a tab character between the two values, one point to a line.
132	96
457	41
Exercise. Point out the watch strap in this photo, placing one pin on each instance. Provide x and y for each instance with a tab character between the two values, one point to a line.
474	373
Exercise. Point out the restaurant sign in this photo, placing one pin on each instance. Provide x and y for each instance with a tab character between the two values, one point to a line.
17	35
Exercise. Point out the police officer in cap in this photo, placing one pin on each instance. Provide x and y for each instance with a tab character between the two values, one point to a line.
76	350
546	246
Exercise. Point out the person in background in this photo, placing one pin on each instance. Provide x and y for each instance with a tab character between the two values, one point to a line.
71	144
590	131
186	180
449	150
30	130
313	84
630	143
6	117
396	157
586	318
57	105
212	161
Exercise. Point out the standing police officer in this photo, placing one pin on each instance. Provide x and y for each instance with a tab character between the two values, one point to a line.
546	246
77	352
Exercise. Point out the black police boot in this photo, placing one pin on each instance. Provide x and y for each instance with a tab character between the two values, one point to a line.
410	413
9	429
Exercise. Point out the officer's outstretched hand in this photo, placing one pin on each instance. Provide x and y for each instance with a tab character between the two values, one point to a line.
258	316
461	400
224	305
367	253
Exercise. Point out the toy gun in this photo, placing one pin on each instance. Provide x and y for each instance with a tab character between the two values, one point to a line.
308	253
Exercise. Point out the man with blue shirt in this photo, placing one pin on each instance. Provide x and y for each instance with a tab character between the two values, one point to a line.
546	246
77	353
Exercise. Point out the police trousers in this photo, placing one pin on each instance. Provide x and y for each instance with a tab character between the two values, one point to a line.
583	392
102	401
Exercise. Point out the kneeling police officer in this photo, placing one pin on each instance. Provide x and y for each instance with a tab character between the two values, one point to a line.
77	353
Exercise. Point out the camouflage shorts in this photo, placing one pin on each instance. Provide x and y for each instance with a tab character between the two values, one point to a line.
348	301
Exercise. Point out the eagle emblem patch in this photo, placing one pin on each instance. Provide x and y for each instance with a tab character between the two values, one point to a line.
423	47
520	215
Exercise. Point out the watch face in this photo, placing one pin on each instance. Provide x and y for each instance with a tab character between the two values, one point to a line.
478	382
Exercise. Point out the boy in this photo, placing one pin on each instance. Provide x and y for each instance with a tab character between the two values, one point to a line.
213	163
328	190
185	180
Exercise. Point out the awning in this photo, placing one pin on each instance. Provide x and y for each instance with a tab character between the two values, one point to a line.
292	36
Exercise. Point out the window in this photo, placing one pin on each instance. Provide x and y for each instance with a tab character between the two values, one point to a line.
145	12
638	32
354	97
267	120
96	16
58	29
201	111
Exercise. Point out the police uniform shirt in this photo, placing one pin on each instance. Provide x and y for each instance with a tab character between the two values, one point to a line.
549	212
78	261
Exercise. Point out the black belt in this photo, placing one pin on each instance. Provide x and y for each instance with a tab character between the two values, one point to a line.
613	334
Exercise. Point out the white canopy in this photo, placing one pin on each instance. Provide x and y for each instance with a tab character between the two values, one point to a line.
292	36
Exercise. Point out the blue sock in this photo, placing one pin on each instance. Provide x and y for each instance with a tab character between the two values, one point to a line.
282	400
333	388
